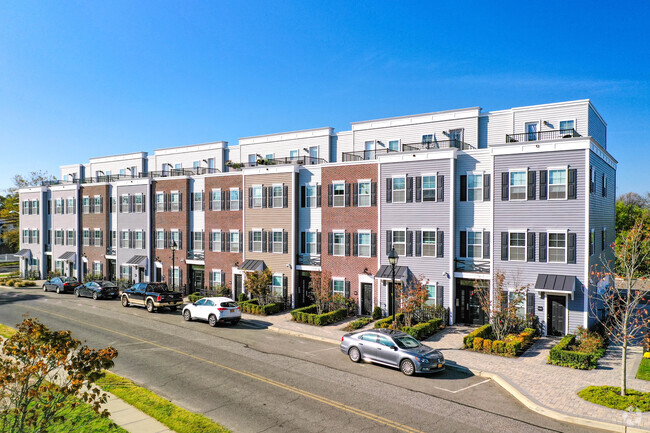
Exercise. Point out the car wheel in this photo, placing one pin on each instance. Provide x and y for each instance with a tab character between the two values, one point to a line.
150	305
44	288
212	320
187	315
58	290
354	354
76	293
95	296
125	301
407	367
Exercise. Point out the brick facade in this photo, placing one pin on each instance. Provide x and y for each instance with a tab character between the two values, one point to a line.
97	217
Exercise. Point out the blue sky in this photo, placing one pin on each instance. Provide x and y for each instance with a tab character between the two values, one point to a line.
83	79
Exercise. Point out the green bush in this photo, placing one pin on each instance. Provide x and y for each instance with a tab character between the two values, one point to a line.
609	396
482	332
478	343
422	331
512	347
298	312
307	315
498	346
561	355
385	323
487	345
242	297
376	313
359	323
193	297
527	336
253	307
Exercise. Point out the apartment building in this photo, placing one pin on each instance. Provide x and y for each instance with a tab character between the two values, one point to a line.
461	196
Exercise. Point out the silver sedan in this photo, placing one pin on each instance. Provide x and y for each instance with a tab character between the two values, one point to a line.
393	349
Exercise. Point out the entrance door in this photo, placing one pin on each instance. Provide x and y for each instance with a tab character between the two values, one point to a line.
141	275
366	299
238	285
158	273
197	278
111	270
556	311
467	305
303	291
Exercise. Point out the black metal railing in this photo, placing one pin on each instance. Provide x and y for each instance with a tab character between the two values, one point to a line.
553	134
195	255
183	172
436	144
110	251
310	260
298	160
365	155
472	265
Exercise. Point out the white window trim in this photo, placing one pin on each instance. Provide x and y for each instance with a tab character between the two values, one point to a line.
368	181
307	196
297	153
399	144
232	231
566	245
566	183
435	245
392	235
398	176
281	186
575	123
481	175
235	201
435	175
342	232
163	239
277	274
518	170
257	230
539	128
315	232
475	230
338	279
212	281
218	250
334	183
273	231
172	203
525	232
364	232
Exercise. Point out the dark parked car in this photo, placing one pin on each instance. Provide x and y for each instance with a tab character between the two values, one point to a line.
61	284
394	349
98	289
152	296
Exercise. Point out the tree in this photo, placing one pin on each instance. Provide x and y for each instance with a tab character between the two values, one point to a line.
411	299
258	284
320	284
45	374
34	178
502	307
624	321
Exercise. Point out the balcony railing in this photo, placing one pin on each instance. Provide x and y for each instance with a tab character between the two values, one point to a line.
183	172
365	155
362	155
110	251
298	160
472	265
306	259
554	134
196	255
48	248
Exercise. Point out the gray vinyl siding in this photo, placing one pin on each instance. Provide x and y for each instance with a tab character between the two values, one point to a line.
66	222
542	216
34	222
417	216
597	129
137	221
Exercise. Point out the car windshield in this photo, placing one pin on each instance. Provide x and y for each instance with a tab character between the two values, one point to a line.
229	304
108	284
158	288
406	342
69	280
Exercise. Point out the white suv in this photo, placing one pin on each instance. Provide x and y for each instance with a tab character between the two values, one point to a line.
214	310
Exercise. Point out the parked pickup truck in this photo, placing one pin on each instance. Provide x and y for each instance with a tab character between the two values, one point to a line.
152	296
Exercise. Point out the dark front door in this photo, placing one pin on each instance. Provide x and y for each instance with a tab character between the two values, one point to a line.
111	270
366	299
238	284
303	291
467	305
141	274
158	273
197	273
556	309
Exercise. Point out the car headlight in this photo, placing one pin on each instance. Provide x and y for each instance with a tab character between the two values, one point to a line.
422	360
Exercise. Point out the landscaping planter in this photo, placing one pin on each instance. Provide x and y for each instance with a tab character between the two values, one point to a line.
481	340
561	355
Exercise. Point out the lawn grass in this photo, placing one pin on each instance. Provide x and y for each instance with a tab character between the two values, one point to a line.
609	396
6	331
174	417
644	369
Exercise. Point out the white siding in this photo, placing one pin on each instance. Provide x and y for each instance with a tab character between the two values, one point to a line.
597	129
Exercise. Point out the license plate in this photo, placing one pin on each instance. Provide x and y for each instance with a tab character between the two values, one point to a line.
439	365
232	311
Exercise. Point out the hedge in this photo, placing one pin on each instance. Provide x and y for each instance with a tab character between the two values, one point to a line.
559	355
253	307
385	323
307	315
422	331
359	323
482	332
298	313
193	297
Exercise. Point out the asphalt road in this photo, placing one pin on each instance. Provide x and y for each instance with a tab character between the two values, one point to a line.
253	380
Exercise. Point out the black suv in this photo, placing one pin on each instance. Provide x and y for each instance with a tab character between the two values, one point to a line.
152	296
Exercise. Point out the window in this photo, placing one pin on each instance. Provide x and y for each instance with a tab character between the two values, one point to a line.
338	240
257	241
310	243
293	154
216	241
339	195
604	185
58	237
368	150
557	247
86	237
364	194
278	244
234	242
429	243
566	126
86	204
592	179
160	239
399	190
139	199
313	154
98	207
26	208
160	202
517	300
26	236
197	241
71	238
531	131
429	188
99	238
456	136
178	166
338	287
399	242
215	278
139	239
364	244
427	139
234	199
517	185
393	145
124	203
210	164
277	285
35	207
175	236
124	239
592	242
58	206
175	201
277	196
97	268
125	272
474	187
216	199
557	184
195	164
603	242
257	196
431	294
310	196
70	207
517	250
270	156
475	245
176	277
197	201
252	160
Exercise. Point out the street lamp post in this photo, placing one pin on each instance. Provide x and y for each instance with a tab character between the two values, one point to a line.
392	259
174	247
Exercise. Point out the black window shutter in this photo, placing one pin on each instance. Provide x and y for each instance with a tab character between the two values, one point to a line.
373	193
355	194
226	244
318	235
227	201
602	239
389	241
463	187
180	201
418	243
532	183
285	286
330	243
250	241
210	243
302	241
191	245
209	204
318	195
530	303
573	181
409	189
542	247
463	244
505	242
250	198
347	289
265	240
241	243
409	242
439	294
269	196
543	174
389	190
571	250
347	243
265	197
486	187
373	245
505	186
355	244
347	194
285	242
604	186
440	194
531	247
285	196
223	200
330	192
418	188
440	243
302	196
486	245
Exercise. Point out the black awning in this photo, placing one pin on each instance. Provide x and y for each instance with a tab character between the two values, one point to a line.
24	253
137	260
253	265
68	256
385	272
555	283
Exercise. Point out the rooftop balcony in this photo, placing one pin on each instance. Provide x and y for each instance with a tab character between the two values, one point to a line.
183	172
365	155
298	160
554	134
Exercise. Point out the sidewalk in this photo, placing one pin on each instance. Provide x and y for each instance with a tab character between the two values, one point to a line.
132	419
547	389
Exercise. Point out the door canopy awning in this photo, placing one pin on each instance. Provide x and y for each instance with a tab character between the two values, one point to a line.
24	253
552	283
68	256
137	261
385	272
253	265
